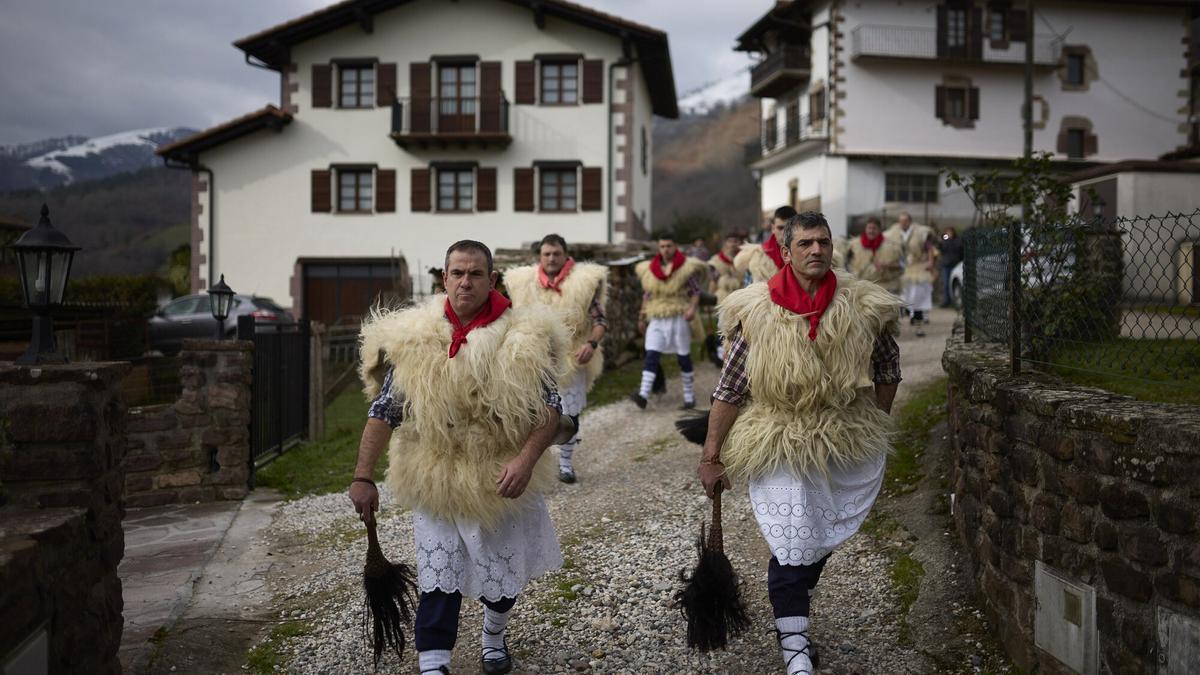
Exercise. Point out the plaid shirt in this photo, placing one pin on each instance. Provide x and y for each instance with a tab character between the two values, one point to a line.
390	408
597	312
734	384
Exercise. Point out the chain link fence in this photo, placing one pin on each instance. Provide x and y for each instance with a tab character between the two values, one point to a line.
1117	298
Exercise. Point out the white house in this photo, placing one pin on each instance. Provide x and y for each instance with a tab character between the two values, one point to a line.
864	102
404	126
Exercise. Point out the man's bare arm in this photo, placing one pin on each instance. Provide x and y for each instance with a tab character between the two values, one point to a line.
720	420
515	475
884	395
375	437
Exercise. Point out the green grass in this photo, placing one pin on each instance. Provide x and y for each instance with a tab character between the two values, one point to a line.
326	465
1148	370
268	655
907	573
915	420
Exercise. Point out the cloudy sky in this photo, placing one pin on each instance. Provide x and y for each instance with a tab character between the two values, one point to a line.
94	67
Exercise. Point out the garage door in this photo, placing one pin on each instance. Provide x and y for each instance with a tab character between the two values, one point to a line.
344	292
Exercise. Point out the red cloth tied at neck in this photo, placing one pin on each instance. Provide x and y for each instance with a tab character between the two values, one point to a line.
724	258
496	305
788	294
871	243
771	248
554	284
656	265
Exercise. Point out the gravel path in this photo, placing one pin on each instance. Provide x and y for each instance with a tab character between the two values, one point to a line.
627	529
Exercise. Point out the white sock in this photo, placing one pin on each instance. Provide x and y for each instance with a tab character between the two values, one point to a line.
721	351
494	624
433	659
689	386
565	451
647	382
796	662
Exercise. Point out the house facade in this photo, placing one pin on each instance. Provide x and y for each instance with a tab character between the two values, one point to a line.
864	103
405	126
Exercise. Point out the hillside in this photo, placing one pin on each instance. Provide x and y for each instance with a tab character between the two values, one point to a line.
699	166
75	159
126	224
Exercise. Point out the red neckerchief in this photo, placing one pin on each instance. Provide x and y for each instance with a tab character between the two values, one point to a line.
724	258
869	243
788	294
496	305
555	283
656	265
771	248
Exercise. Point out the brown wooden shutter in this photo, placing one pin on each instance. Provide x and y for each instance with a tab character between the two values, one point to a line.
593	81
591	196
973	103
420	191
1016	25
522	189
385	190
421	100
975	34
485	189
385	88
1090	144
321	198
1060	144
941	31
526	81
322	85
939	102
490	96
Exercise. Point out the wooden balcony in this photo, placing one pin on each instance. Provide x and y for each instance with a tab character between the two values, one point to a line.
921	44
451	122
780	72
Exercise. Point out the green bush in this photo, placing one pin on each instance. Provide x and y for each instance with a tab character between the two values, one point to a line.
129	295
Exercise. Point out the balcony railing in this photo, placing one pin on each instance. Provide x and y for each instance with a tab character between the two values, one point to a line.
796	130
914	42
780	71
424	121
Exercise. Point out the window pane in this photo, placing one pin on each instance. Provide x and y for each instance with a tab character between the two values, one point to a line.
568	191
569	70
568	203
366	92
347	179
1075	143
446	179
348	76
445	202
550	96
449	75
569	97
466	74
550	189
1074	69
567	177
996	22
347	202
366	76
550	70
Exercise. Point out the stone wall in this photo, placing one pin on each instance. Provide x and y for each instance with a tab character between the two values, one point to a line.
197	448
1102	489
61	460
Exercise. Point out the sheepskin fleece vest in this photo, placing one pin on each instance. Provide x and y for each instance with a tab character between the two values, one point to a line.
668	298
728	278
581	285
917	256
752	259
812	402
464	417
863	259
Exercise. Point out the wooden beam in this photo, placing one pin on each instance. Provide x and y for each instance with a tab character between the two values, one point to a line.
365	19
539	15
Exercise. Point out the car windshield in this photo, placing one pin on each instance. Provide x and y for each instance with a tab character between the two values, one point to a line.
267	303
188	305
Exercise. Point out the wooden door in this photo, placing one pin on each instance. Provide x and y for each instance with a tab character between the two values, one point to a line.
456	97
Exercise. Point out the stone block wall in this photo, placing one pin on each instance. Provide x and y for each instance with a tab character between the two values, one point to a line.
61	461
198	448
1100	487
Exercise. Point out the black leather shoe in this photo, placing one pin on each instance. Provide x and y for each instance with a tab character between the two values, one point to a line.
443	670
638	400
688	405
566	476
496	661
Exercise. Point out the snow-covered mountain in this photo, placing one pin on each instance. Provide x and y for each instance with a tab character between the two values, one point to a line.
720	92
74	159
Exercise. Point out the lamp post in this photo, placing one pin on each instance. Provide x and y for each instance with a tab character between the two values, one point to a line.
44	256
220	299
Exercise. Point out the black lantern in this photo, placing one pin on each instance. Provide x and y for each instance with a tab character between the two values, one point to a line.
1098	208
44	256
220	300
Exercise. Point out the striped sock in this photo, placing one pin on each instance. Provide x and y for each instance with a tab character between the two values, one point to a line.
431	660
793	643
689	386
494	624
647	382
565	451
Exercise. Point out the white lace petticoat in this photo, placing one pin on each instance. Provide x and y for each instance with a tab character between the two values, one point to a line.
805	518
574	395
460	555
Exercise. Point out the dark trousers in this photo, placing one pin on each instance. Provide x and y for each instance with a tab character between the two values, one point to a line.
947	291
654	362
436	625
788	586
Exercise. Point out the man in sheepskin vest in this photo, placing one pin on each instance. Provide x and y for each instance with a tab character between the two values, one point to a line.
671	293
874	257
579	291
465	389
762	261
802	412
918	252
725	277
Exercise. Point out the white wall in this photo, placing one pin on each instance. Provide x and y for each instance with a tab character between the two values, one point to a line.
264	222
816	175
890	102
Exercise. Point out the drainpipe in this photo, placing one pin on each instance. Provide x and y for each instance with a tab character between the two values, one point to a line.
212	206
619	63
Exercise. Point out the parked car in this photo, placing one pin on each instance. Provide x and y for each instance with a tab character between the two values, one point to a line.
956	284
191	317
